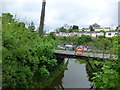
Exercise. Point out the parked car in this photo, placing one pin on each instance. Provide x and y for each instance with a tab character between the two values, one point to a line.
60	47
69	47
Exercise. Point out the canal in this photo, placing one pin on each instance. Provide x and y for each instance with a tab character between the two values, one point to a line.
74	76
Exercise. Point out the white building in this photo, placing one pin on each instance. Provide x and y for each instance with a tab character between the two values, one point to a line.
93	34
112	33
97	29
103	28
62	34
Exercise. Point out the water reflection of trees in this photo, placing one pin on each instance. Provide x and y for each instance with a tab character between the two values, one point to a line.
89	72
88	68
80	61
57	82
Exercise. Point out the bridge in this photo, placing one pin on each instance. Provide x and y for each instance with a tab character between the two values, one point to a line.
61	54
84	56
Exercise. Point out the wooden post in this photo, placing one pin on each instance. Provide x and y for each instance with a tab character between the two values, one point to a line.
41	26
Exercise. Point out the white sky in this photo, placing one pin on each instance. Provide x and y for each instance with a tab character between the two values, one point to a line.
59	12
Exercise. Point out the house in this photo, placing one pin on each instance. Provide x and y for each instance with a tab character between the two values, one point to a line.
91	33
102	28
112	33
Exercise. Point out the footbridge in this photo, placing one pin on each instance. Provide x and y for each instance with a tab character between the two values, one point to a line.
84	56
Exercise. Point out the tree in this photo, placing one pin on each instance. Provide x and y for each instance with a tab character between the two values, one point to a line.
103	32
83	39
31	27
95	25
7	18
52	35
83	29
117	28
70	30
75	27
91	28
62	29
70	27
26	56
66	26
21	24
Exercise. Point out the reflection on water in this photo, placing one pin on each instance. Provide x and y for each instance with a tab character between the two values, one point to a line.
75	76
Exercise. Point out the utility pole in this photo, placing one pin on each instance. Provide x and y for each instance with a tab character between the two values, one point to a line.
41	26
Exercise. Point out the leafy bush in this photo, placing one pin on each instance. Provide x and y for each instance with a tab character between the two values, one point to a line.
77	40
100	36
83	39
109	75
26	58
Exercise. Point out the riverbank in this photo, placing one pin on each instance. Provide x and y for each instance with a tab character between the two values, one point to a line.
74	76
45	84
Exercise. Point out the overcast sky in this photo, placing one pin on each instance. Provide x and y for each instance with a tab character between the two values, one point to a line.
59	12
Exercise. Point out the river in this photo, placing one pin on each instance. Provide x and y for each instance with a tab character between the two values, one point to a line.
75	76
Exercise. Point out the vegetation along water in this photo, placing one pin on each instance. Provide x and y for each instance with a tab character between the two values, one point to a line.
28	61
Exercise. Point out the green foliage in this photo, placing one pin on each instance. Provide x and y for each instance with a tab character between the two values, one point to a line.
107	73
68	29
116	46
108	77
100	36
104	33
77	40
44	72
75	27
104	45
96	25
31	27
91	28
83	39
26	58
52	35
61	29
15	74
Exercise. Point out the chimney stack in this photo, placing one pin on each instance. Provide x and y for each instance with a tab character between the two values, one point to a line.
41	26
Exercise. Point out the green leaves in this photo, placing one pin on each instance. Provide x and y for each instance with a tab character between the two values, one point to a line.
52	62
108	77
44	71
83	39
25	55
77	40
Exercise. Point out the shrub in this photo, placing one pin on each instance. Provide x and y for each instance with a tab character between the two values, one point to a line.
26	58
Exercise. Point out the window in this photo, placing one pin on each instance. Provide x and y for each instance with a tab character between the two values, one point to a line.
116	33
109	33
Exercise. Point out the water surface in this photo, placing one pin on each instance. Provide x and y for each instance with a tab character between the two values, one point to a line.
75	76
